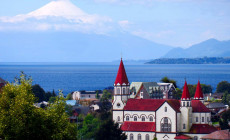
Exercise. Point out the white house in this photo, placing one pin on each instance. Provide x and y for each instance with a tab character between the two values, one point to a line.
165	119
81	95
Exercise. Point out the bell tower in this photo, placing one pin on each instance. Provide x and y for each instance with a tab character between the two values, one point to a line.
186	110
121	93
199	94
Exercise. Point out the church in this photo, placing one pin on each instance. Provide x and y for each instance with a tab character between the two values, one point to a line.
164	119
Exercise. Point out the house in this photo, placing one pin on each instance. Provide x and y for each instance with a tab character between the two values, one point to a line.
213	96
218	135
216	107
152	90
82	95
164	119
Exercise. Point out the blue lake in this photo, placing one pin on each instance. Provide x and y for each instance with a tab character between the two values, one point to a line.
79	76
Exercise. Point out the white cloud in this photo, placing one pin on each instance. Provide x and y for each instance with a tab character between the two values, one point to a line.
124	24
57	15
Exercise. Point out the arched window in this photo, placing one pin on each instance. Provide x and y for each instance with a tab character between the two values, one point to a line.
123	90
118	90
135	118
183	103
143	118
195	138
127	118
139	137
187	103
131	137
118	118
151	119
147	137
165	109
165	125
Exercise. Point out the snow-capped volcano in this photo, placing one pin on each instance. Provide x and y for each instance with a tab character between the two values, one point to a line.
60	14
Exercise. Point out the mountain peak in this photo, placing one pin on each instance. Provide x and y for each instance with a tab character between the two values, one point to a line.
58	8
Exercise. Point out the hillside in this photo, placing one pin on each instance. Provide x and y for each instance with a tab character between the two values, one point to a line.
205	60
208	48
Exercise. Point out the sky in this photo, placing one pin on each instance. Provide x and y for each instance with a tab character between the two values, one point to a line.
178	23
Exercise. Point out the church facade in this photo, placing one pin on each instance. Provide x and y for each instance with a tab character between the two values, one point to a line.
164	119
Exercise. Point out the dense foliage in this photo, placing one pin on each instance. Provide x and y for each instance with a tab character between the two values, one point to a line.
167	80
20	119
205	89
40	94
204	60
225	118
223	86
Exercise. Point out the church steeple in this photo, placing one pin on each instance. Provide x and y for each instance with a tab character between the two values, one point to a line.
121	78
199	94
185	94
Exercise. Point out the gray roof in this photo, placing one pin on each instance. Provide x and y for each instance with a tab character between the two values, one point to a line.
215	105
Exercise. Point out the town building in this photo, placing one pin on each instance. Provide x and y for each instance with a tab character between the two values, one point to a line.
152	90
164	119
85	95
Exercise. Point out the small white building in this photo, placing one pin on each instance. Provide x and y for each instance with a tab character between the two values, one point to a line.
81	95
165	119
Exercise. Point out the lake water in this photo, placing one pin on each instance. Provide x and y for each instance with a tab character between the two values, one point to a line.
91	76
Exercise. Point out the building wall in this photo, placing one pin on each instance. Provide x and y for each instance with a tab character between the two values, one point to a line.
165	136
198	136
207	117
143	135
160	114
139	115
116	114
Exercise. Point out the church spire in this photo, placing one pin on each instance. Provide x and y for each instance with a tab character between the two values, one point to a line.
199	93
185	94
121	75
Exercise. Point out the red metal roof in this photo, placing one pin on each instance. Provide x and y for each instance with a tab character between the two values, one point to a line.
202	129
183	137
121	75
143	104
198	106
185	94
218	135
199	93
139	126
150	104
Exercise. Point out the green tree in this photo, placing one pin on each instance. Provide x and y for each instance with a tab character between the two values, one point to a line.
69	96
167	80
106	95
20	119
178	93
97	95
89	127
39	93
110	131
223	86
226	98
225	118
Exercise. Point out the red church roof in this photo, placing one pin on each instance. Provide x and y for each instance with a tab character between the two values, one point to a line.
183	137
150	104
121	75
139	126
202	129
199	93
198	106
185	94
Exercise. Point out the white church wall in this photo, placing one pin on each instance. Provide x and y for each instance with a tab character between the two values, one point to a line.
118	116
178	122
143	135
139	115
170	113
207	118
165	136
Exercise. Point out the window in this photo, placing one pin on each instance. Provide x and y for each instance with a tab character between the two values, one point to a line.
202	119
187	103
127	118
165	109
143	118
123	90
151	119
207	119
184	126
183	103
165	125
195	138
131	137
139	136
118	118
135	118
118	90
196	119
147	137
